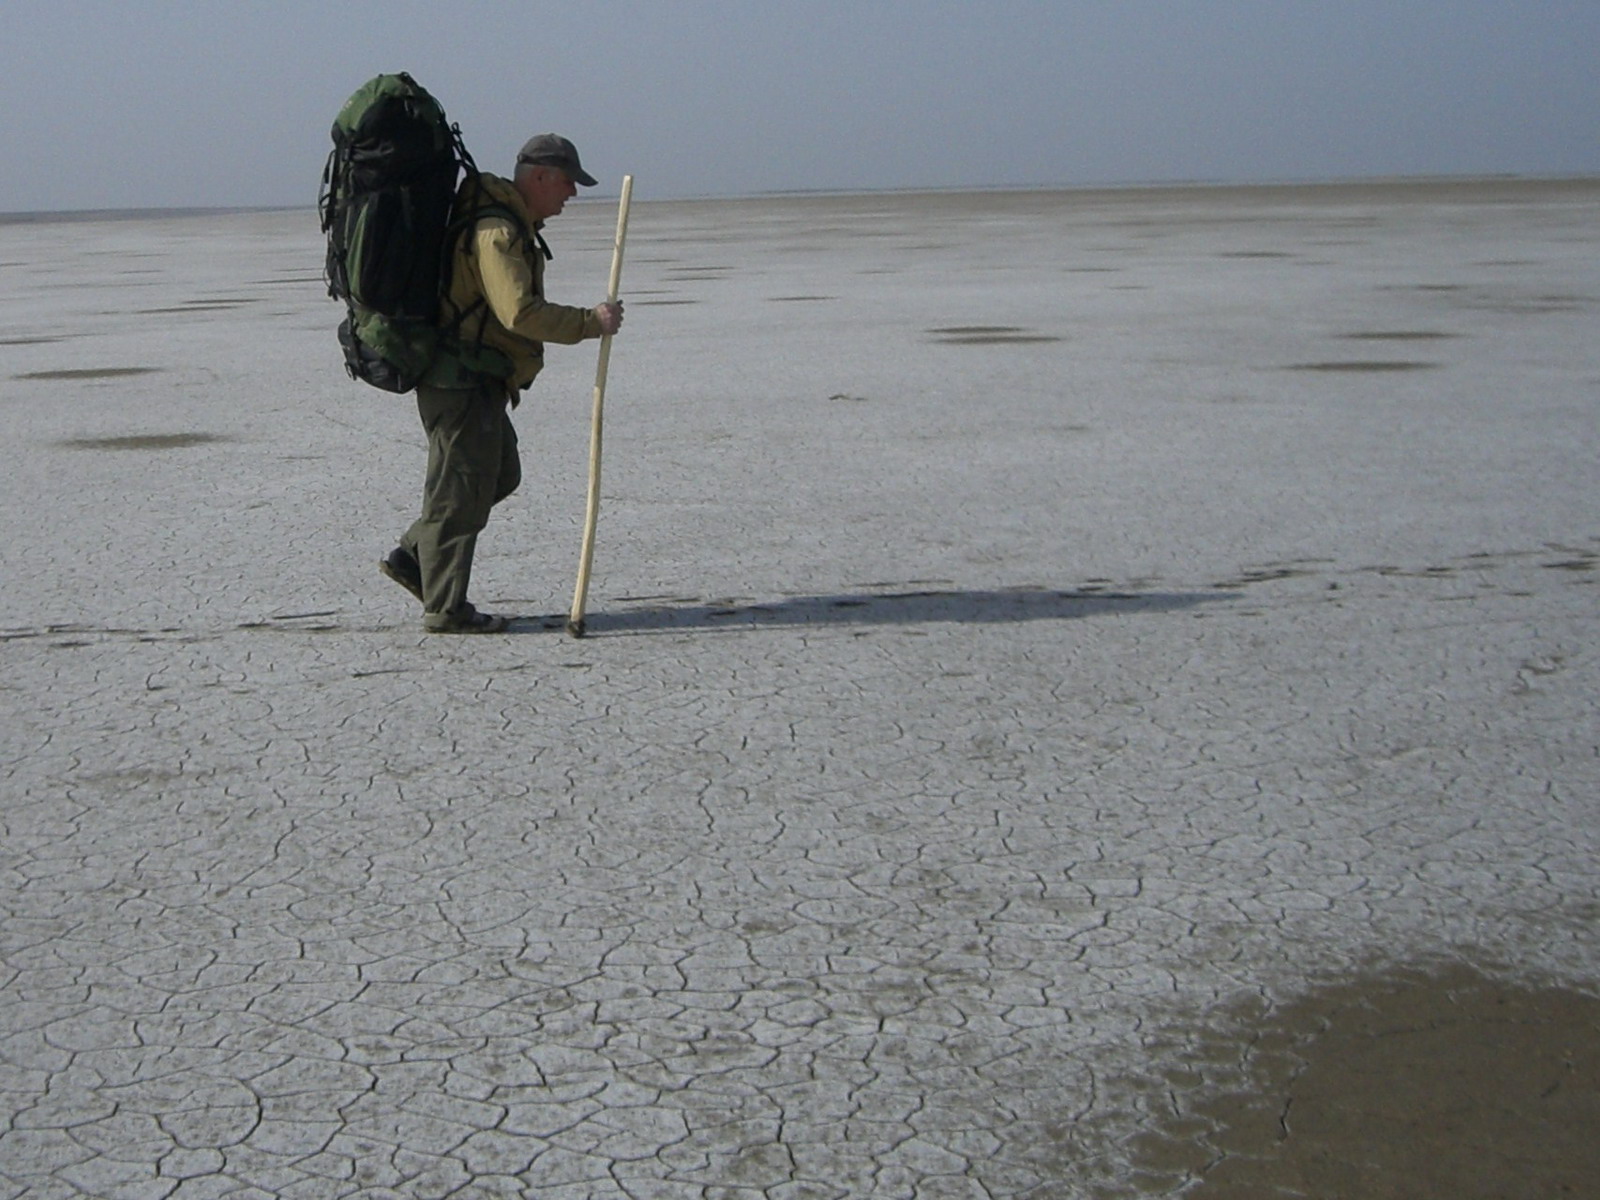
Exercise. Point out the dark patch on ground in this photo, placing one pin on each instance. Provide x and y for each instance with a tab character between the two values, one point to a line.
143	441
1363	366
1504	300
89	373
988	335
793	299
1263	575
1430	1080
194	306
28	341
1584	563
1537	305
702	274
1398	335
1389	570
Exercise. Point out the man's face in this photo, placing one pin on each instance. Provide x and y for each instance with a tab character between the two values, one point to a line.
545	190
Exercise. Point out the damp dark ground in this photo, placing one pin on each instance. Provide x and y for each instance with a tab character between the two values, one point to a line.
1441	1080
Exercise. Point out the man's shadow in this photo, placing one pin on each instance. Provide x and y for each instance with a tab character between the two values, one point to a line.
662	614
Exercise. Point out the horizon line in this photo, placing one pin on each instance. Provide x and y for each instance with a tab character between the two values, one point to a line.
135	212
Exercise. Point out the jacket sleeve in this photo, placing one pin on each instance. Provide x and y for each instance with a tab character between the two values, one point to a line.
513	296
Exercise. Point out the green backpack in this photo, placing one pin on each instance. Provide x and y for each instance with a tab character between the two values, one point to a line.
385	207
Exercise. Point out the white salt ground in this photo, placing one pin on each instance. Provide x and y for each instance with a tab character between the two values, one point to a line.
1024	625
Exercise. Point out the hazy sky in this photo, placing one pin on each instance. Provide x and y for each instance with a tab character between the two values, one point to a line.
143	104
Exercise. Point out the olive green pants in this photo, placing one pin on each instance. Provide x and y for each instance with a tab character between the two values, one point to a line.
472	466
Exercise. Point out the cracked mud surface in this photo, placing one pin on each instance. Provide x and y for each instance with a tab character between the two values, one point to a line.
1106	767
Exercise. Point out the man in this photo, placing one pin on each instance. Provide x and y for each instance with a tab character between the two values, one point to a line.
501	321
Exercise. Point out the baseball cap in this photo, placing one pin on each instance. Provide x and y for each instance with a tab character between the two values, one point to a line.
553	150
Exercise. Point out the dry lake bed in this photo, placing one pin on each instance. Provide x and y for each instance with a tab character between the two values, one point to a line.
1087	694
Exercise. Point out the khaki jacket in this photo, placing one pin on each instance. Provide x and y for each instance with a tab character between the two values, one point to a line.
497	281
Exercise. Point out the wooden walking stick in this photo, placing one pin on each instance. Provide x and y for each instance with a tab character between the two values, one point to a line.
580	594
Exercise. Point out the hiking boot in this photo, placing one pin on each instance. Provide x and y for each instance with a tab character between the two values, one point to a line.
403	569
465	619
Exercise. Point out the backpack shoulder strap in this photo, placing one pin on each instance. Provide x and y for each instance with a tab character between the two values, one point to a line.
475	201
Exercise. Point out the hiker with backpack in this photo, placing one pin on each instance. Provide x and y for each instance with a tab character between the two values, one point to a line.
444	287
496	278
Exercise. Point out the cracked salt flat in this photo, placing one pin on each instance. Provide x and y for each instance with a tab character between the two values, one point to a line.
968	725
